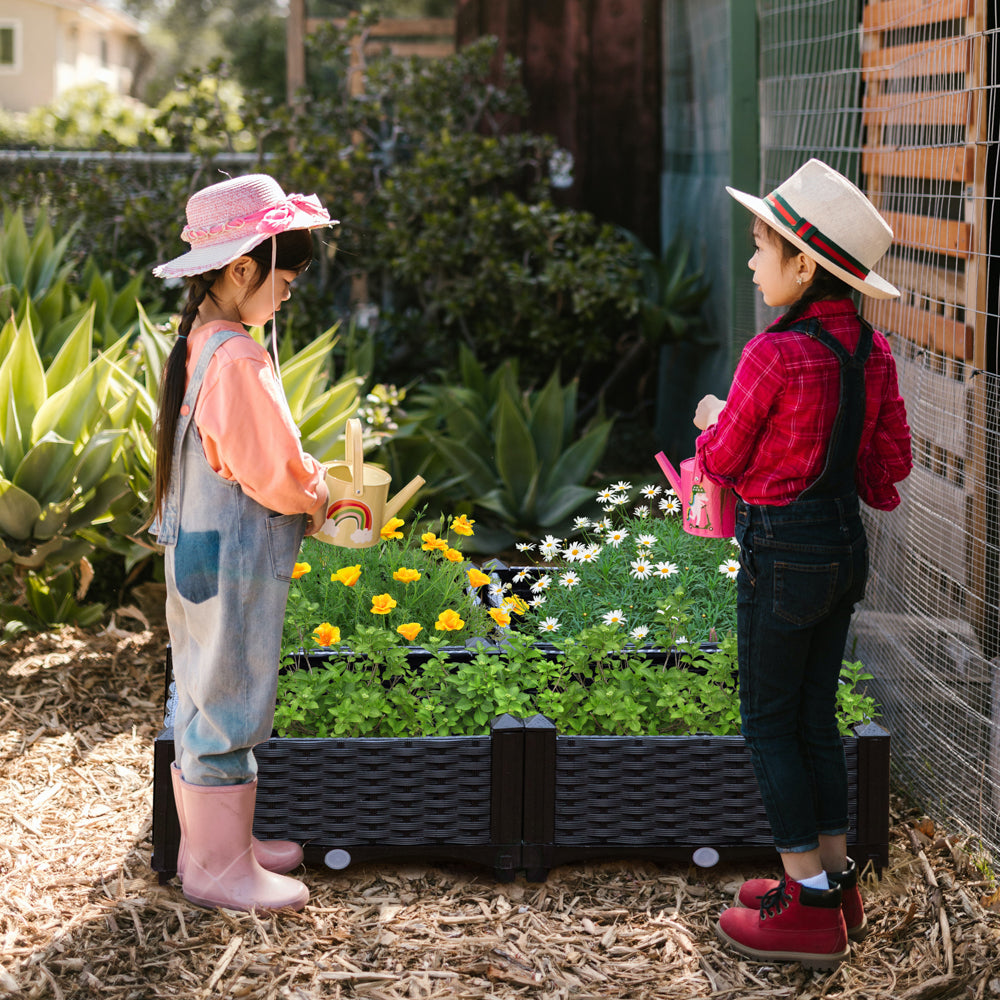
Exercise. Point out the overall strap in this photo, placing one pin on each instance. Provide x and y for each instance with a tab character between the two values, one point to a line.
169	523
837	477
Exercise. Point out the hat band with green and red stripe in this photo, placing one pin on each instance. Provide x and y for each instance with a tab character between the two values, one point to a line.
813	238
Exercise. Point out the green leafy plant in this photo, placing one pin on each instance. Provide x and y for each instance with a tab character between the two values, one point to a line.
516	459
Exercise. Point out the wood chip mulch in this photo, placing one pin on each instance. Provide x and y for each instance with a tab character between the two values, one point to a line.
82	915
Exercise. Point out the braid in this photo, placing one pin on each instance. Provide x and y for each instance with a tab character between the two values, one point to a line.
172	386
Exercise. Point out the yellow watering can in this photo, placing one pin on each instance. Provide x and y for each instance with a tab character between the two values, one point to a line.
359	506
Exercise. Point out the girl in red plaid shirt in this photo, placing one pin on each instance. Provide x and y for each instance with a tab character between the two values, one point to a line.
813	422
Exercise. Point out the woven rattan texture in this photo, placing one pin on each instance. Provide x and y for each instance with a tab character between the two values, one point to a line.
431	790
662	790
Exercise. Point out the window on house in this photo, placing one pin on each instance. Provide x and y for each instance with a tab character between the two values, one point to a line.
8	46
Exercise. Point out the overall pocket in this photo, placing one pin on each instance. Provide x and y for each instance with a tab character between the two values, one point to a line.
284	536
805	593
196	565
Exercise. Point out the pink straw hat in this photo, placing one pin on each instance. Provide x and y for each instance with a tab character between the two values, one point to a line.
827	217
228	219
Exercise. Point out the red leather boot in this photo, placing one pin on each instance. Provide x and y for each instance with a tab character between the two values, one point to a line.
753	891
793	924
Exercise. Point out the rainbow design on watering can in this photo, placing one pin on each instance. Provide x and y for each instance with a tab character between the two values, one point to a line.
356	510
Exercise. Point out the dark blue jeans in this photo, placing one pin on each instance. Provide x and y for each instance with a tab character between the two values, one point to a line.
803	567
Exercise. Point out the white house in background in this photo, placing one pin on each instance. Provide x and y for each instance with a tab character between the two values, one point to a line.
50	46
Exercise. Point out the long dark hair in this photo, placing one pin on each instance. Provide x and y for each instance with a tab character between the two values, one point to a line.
824	285
293	252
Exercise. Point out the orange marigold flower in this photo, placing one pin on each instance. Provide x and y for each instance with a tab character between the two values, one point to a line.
452	555
515	604
462	525
405	575
410	630
300	569
500	617
326	634
431	542
389	530
382	604
449	621
348	576
477	578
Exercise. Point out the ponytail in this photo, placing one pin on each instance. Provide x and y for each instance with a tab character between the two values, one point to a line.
172	385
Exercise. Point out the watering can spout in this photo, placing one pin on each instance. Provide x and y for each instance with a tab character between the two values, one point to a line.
406	493
670	472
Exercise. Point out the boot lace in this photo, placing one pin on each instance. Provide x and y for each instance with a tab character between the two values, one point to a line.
774	901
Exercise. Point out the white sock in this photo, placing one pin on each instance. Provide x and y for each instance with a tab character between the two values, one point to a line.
819	881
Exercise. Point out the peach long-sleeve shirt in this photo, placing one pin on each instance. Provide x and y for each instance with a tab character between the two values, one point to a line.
247	432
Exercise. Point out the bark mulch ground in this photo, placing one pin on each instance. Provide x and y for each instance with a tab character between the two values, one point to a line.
82	915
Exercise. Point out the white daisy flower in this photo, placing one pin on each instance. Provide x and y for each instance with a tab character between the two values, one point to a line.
665	569
521	574
620	500
572	551
537	601
606	495
641	569
651	491
640	632
730	568
603	525
581	522
646	541
617	536
549	625
670	505
590	554
681	639
542	583
641	512
497	589
569	580
525	546
614	617
549	546
734	542
621	485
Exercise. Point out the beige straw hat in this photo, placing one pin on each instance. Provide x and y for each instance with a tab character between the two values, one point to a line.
228	219
822	213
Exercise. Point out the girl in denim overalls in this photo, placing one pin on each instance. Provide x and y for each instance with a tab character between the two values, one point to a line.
813	422
234	494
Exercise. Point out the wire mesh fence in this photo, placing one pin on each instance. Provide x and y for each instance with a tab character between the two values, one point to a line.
901	95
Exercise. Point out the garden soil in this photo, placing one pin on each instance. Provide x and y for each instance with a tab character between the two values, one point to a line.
82	914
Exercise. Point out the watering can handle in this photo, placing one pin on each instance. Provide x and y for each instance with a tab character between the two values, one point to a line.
354	453
669	471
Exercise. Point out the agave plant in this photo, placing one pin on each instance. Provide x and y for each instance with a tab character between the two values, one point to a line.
519	458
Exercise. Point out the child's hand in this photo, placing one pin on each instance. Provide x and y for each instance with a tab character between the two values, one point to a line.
317	518
708	411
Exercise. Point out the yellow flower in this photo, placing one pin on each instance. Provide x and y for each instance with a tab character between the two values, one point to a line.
500	617
462	525
300	569
515	604
389	530
449	621
405	575
348	576
326	634
477	578
431	542
382	604
410	630
452	555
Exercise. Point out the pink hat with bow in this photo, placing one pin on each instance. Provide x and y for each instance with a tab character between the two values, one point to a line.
228	219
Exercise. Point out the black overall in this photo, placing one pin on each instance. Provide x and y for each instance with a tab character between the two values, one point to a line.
803	567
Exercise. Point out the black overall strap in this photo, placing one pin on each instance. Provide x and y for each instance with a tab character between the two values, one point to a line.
837	477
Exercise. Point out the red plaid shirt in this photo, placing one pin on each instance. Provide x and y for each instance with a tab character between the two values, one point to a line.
770	441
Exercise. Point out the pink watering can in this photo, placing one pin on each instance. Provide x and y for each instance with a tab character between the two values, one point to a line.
707	509
359	504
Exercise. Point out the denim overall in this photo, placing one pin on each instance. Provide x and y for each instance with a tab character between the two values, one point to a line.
228	565
803	567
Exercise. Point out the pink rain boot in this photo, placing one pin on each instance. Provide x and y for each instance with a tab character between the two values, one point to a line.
219	865
275	855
